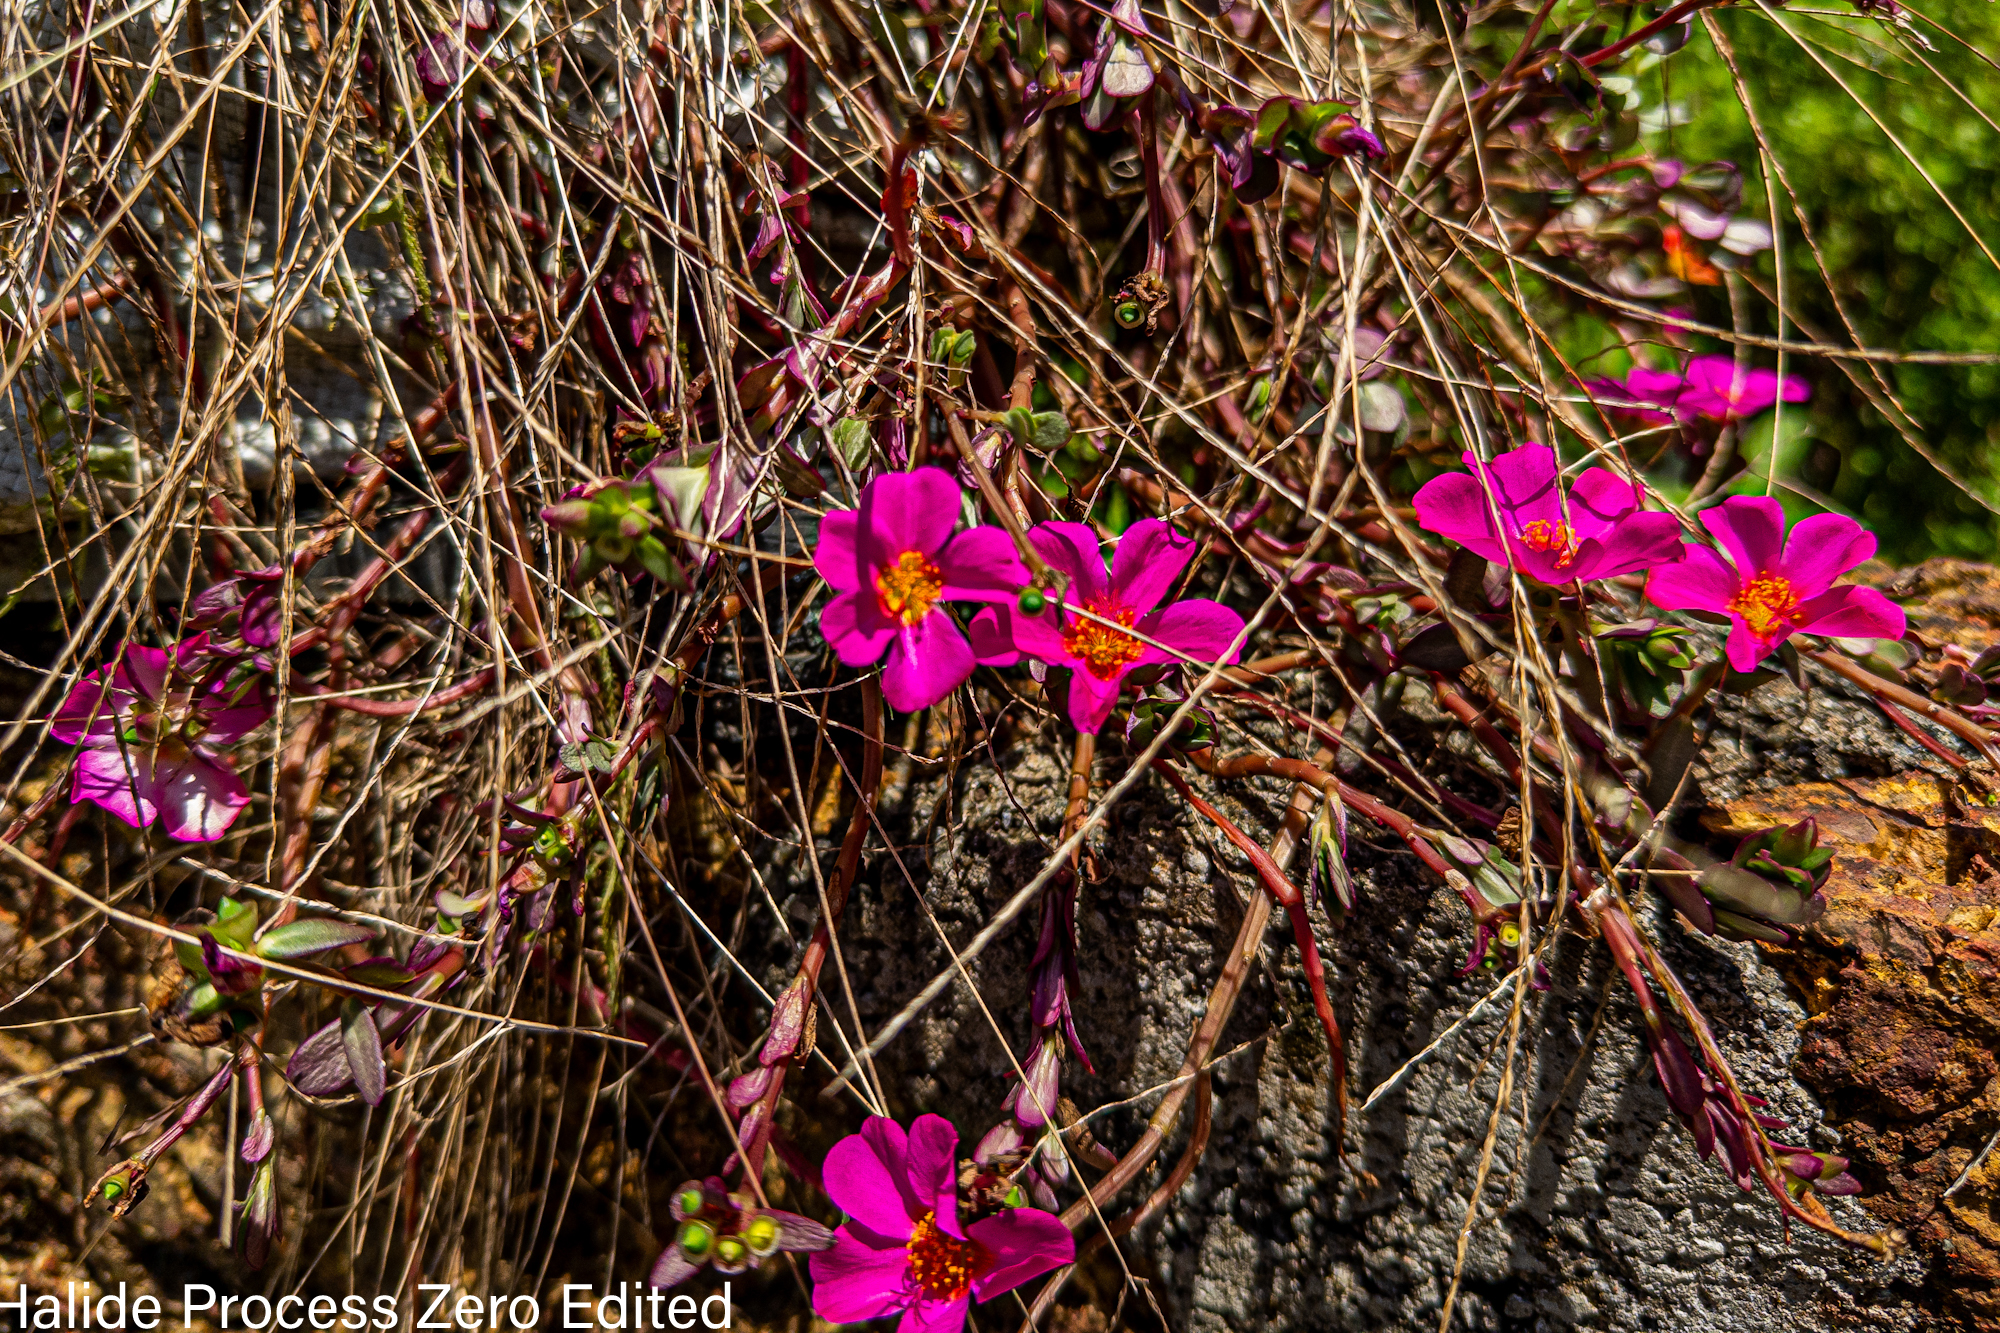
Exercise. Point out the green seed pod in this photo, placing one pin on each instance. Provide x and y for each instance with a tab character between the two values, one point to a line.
689	1201
696	1240
1016	1197
1032	601
1129	314
762	1235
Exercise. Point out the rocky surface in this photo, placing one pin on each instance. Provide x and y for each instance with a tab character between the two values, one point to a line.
1595	1211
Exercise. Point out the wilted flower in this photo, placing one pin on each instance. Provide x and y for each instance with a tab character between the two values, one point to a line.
891	564
1768	595
149	729
903	1249
1600	531
1099	655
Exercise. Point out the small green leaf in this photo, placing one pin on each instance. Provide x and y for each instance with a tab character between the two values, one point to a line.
303	939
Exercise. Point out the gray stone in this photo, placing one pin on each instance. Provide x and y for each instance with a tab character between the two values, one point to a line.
1595	1213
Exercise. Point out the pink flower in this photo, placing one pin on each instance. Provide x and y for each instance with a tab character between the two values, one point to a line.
147	738
1770	596
1709	388
903	1250
1149	558
1600	533
891	563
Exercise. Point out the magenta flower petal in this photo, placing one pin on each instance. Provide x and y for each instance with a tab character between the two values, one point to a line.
1637	541
932	1316
927	661
854	1280
1025	1243
856	629
933	1169
867	1177
1851	612
1454	506
1037	636
1091	700
1701	582
1745	648
1598	499
1149	558
1751	528
1822	548
981	565
992	637
228	723
117	779
198	798
143	671
1196	627
837	557
89	710
909	511
1072	548
1524	484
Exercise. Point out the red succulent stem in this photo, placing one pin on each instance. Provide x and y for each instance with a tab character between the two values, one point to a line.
1286	894
838	887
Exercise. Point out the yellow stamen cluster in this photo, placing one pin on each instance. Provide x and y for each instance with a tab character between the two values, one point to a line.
1542	535
943	1265
1104	650
907	588
1768	604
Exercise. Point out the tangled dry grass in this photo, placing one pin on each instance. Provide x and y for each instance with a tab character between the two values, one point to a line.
313	309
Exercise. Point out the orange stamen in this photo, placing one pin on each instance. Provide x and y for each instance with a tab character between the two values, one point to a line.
943	1265
1768	604
1542	535
1104	650
907	588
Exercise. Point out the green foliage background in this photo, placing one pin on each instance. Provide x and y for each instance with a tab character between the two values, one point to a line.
1908	272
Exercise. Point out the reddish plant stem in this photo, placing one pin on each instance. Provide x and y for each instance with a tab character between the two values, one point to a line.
477	683
1298	770
838	887
1636	957
1286	894
1222	998
1916	733
1950	719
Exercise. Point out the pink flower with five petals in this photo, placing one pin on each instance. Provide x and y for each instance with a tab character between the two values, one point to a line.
1598	533
1099	655
1710	388
903	1248
892	564
147	738
1770	594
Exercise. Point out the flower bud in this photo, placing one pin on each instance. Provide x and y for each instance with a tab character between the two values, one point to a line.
569	517
121	1187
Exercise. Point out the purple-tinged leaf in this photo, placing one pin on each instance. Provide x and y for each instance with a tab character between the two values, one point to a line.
263	1133
363	1045
319	1066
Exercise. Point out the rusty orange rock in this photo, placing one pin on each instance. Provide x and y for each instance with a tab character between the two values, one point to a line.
1901	978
